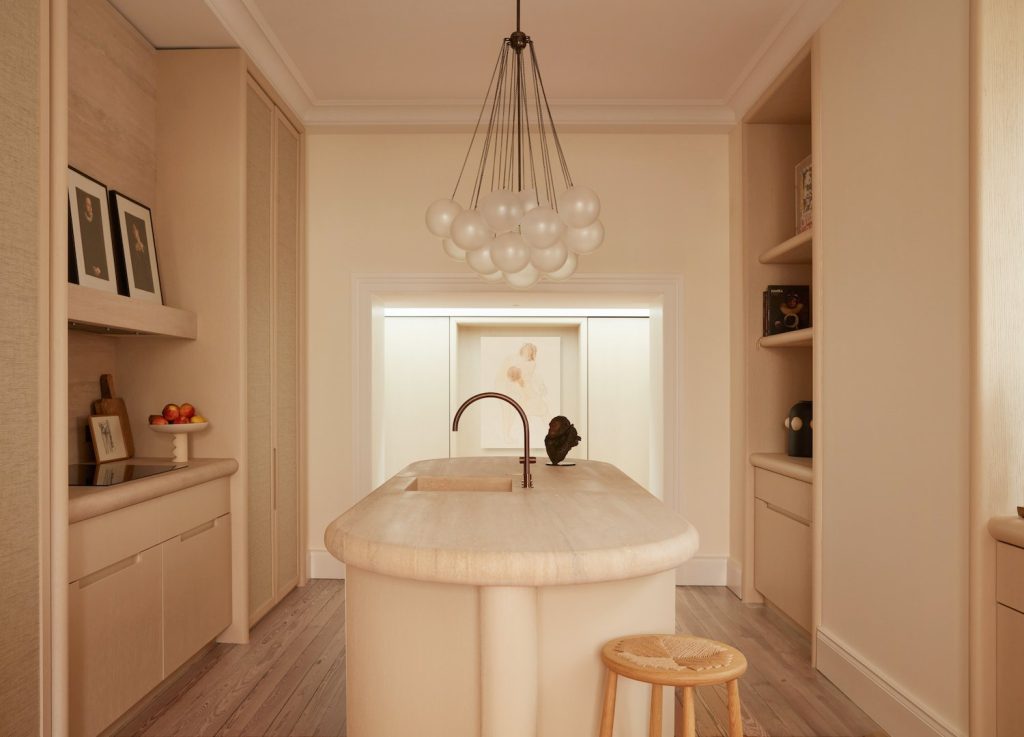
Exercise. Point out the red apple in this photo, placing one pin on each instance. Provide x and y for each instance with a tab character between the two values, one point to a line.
171	412
179	421
158	420
187	410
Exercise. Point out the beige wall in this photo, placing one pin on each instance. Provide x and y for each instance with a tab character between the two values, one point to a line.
666	211
23	390
893	181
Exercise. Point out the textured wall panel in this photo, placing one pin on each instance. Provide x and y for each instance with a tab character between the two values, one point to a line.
19	364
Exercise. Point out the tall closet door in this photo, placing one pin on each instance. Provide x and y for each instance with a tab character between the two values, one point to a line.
286	352
259	336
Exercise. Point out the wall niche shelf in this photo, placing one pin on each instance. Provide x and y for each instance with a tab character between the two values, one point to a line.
99	312
795	250
801	469
793	339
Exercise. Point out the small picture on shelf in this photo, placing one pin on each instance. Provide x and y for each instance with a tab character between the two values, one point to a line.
136	251
107	438
786	308
804	196
90	246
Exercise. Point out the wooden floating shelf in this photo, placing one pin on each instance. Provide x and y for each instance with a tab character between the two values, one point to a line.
796	250
801	469
793	339
96	311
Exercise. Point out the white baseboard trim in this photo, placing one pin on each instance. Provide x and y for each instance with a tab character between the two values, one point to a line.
895	711
324	565
702	571
734	577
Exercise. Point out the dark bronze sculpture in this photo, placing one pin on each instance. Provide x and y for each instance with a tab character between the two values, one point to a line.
561	438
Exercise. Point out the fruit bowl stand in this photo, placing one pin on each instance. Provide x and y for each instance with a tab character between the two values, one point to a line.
180	434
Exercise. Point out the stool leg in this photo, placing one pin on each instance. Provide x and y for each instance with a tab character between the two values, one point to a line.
735	715
655	728
608	706
689	719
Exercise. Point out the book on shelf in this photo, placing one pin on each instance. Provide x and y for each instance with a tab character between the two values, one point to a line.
787	307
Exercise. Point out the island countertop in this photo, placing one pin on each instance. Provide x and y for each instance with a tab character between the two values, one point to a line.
581	524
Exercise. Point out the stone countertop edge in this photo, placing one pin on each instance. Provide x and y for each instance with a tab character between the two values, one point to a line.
563	529
1008	530
86	502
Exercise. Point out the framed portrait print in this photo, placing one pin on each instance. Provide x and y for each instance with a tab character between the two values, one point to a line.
804	196
136	248
107	438
91	257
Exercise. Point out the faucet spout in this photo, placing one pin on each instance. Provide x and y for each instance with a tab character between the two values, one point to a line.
527	477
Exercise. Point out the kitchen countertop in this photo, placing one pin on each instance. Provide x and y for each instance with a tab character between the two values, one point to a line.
580	524
1008	530
85	502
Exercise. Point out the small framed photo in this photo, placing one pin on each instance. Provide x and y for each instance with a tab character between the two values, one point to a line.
136	248
107	438
804	196
91	257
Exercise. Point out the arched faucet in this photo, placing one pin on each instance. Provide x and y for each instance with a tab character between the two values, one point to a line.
527	478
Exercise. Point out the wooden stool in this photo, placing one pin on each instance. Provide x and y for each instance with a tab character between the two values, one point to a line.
680	661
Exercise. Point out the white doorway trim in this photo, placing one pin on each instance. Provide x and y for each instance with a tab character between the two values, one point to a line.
662	293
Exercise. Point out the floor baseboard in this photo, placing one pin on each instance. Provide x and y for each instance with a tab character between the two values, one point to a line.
702	571
324	565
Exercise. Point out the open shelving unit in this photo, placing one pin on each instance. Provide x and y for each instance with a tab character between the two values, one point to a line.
795	250
793	339
801	469
114	314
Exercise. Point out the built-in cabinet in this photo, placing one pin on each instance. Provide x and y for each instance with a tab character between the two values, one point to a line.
273	155
1009	639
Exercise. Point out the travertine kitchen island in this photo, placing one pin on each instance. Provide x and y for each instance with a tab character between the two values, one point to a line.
476	607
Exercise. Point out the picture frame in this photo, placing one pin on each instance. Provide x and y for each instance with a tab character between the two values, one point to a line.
136	248
803	175
107	438
91	260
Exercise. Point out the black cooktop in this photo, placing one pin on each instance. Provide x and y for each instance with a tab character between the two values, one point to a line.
114	472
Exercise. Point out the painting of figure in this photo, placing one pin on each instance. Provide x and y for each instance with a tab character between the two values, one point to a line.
529	370
91	253
136	247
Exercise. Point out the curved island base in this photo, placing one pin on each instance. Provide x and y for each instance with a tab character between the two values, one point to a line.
482	613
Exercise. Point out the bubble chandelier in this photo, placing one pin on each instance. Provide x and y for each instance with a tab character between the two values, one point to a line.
515	227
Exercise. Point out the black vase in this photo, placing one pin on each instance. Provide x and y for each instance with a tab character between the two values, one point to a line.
800	430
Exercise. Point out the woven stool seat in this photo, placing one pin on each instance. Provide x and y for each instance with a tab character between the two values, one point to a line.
681	661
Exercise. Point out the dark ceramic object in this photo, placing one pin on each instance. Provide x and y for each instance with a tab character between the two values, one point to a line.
800	430
561	438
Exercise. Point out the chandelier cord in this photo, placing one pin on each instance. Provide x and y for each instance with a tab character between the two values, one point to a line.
479	118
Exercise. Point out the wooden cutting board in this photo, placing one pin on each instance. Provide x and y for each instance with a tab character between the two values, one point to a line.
111	405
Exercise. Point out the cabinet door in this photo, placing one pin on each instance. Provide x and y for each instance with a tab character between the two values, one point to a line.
259	335
114	640
782	561
286	358
197	589
1010	671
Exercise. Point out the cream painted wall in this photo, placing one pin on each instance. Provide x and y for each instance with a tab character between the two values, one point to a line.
666	211
892	178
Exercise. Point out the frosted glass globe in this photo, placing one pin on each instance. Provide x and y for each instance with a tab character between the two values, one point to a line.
452	250
440	215
549	259
567	270
579	207
529	198
525	278
470	231
502	209
480	261
495	277
542	227
510	253
584	240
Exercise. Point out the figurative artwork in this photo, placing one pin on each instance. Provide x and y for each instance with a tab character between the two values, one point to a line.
133	224
107	438
561	438
804	196
91	257
530	371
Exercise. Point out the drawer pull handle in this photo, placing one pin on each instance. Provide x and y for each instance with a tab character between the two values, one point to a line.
787	513
109	570
197	530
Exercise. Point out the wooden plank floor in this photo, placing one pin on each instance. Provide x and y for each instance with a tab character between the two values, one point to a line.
290	679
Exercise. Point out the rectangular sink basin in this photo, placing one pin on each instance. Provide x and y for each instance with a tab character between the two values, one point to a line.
461	483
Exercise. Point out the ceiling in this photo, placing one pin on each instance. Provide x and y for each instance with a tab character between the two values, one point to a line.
415	62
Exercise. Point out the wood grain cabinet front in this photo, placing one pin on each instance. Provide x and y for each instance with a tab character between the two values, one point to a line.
782	561
197	589
114	640
1009	640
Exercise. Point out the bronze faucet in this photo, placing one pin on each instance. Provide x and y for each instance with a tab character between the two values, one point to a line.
527	478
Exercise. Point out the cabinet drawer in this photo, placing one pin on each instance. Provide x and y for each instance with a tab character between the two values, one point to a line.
1010	672
1010	575
782	562
114	640
197	589
783	492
